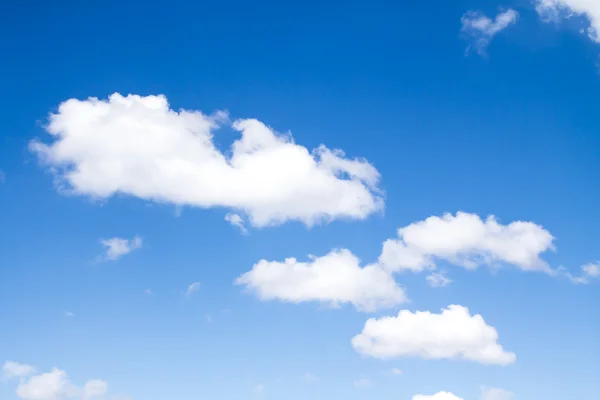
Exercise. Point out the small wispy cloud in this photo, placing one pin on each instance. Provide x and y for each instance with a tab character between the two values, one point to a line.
193	288
479	29
397	371
69	314
258	389
589	273
438	279
115	248
148	292
237	221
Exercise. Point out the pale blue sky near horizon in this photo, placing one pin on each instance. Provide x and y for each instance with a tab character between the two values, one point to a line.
514	133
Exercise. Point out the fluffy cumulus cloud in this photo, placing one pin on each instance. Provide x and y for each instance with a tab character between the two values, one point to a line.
553	10
333	279
437	396
116	247
480	29
452	334
53	385
488	393
11	369
467	240
139	146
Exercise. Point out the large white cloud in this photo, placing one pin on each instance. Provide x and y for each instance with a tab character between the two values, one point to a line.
480	29
452	334
334	279
467	240
138	146
437	396
554	9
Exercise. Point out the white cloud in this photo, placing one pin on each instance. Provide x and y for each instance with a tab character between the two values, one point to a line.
138	146
193	288
480	29
397	371
53	385
466	240
437	396
438	279
589	273
333	279
237	221
488	393
69	314
148	292
259	388
11	370
362	383
553	10
116	247
453	334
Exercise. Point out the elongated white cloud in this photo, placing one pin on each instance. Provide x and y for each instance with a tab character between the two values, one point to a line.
11	369
552	10
116	247
437	396
466	240
53	385
480	29
138	146
333	279
452	334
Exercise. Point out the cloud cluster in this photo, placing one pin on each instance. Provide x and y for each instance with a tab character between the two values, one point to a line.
553	10
53	385
452	334
139	146
463	239
480	29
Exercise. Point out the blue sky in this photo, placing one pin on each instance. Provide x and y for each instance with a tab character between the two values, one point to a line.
121	279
